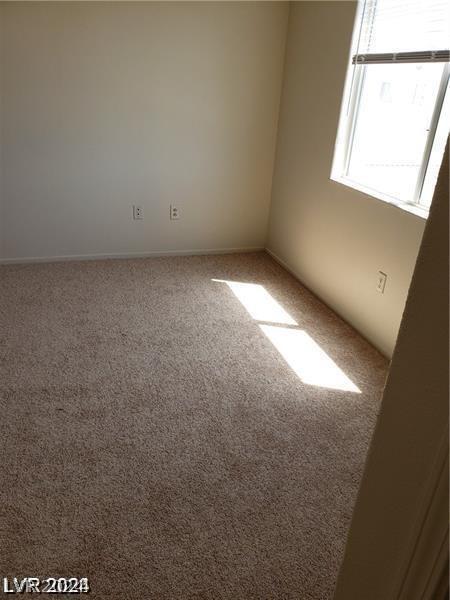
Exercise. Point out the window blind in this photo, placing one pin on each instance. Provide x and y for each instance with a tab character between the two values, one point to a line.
404	31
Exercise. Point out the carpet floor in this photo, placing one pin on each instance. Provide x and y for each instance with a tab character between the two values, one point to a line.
179	428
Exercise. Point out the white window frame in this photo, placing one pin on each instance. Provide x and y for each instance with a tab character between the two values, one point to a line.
347	126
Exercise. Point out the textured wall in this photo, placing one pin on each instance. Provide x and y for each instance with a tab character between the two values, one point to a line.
334	238
106	105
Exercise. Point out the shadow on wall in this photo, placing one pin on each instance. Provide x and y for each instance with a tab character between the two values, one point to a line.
304	356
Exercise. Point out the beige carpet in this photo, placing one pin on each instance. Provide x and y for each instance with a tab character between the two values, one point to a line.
172	435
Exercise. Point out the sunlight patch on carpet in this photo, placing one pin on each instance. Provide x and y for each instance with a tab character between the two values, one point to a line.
307	359
258	302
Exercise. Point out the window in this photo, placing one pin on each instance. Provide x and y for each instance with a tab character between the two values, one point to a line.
395	115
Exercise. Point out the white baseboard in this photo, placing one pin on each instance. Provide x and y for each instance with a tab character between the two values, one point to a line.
284	264
151	254
325	301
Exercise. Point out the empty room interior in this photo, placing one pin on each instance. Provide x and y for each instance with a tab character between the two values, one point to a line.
224	299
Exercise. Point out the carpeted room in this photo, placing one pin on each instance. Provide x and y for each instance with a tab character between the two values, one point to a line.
165	443
187	402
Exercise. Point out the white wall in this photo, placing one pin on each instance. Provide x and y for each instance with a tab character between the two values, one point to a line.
109	104
106	105
334	238
412	430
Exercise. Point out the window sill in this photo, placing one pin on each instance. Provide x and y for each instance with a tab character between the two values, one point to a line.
415	209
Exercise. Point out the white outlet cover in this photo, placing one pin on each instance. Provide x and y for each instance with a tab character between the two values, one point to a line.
138	213
174	213
382	277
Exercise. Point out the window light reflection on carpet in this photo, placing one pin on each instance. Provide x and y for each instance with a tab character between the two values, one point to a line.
303	355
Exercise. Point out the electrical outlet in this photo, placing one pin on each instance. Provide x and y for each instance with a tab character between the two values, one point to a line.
381	283
174	212
138	213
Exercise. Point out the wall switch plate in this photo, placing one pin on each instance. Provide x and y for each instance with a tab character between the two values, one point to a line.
381	283
138	213
174	212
